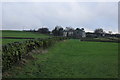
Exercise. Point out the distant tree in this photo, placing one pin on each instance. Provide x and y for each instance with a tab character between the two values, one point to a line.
77	28
58	31
54	32
82	29
44	30
110	32
34	30
99	31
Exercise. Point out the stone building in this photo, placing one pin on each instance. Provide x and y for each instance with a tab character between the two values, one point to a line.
78	33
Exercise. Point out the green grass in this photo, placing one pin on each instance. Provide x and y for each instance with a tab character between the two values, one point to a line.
73	59
5	41
8	33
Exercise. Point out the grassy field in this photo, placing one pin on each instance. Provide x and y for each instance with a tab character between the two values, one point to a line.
72	59
8	33
5	41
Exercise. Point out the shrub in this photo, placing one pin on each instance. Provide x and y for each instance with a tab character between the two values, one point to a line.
14	52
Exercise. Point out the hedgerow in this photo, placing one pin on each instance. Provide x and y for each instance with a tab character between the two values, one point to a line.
14	52
101	40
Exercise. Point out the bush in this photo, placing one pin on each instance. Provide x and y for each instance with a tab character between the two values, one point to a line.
101	40
14	52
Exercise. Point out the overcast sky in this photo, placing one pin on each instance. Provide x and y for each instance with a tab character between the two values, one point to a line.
33	15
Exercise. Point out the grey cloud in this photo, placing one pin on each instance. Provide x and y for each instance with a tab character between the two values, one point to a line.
34	15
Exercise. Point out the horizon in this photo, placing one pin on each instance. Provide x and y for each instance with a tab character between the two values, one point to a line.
51	31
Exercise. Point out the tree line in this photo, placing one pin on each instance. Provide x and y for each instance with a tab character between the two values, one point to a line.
58	30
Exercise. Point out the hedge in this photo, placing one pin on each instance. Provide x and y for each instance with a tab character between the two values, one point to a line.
99	40
14	52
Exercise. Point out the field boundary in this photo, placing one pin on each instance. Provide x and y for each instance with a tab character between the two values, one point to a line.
14	52
15	38
92	40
